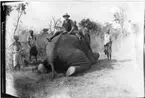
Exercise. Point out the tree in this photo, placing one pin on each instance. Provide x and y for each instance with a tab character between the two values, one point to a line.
90	25
54	24
120	17
21	9
115	33
108	25
9	9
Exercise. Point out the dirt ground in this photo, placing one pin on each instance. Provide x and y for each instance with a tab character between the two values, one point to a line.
122	77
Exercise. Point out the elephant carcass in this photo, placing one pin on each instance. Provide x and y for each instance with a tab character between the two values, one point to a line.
66	51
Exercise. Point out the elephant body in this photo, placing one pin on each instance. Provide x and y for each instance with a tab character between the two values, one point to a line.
67	50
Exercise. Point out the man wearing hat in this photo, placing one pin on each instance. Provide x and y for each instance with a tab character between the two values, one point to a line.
66	26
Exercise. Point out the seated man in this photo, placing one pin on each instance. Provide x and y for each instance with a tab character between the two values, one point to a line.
67	26
76	31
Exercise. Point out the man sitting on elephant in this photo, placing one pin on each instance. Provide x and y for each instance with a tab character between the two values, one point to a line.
75	31
68	27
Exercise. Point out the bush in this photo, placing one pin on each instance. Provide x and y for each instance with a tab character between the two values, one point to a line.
92	26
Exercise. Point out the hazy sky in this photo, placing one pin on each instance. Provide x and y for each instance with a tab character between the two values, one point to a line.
39	13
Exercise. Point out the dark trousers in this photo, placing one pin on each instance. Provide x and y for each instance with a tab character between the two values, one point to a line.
56	34
108	45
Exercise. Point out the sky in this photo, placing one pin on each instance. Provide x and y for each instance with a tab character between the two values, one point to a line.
39	13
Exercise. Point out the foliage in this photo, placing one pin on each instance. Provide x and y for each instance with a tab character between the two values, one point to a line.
54	24
21	9
45	29
115	33
90	25
120	17
108	25
8	8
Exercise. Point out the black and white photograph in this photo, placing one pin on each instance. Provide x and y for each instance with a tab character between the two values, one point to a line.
74	49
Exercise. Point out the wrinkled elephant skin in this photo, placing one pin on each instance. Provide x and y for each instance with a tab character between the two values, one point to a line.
66	51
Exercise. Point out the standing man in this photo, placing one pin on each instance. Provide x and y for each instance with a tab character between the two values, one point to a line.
67	26
31	38
107	40
16	52
32	42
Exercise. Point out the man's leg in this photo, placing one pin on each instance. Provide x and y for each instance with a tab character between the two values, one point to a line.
105	49
76	33
14	60
56	34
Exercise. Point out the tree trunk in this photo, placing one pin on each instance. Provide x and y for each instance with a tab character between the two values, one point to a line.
14	35
17	23
121	35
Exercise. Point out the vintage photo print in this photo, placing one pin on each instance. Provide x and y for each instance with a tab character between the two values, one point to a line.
74	49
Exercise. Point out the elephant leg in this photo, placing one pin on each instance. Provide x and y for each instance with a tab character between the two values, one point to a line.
96	57
76	69
71	70
79	63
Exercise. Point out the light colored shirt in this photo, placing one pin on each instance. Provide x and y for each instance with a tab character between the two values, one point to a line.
31	40
107	38
16	46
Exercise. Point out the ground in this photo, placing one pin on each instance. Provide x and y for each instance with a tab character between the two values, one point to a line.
120	77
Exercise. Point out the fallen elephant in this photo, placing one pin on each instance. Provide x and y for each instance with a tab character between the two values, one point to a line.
67	54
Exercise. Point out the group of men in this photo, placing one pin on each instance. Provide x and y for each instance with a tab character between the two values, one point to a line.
68	27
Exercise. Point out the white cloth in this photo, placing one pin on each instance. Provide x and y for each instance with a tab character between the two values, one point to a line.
15	58
107	38
32	40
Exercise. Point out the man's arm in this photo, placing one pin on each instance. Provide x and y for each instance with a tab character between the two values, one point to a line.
72	27
63	26
28	39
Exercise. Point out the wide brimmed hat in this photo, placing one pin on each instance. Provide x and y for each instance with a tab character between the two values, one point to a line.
66	15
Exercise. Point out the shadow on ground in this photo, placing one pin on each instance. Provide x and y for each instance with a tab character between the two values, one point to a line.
102	64
126	60
31	85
